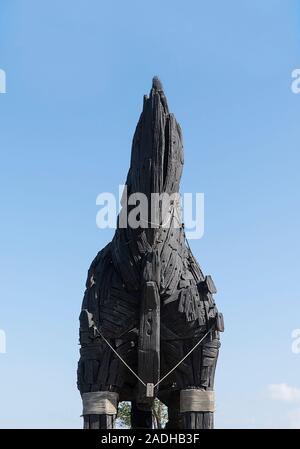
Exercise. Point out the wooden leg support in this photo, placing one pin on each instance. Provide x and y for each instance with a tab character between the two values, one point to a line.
197	420
140	418
99	421
197	407
99	409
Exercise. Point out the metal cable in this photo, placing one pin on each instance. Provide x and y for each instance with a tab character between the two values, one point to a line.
189	353
118	355
134	373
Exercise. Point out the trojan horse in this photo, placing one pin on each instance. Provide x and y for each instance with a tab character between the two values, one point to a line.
149	326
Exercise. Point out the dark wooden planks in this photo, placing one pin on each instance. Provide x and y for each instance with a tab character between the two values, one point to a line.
149	339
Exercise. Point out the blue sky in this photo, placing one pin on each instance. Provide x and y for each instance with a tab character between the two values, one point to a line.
76	74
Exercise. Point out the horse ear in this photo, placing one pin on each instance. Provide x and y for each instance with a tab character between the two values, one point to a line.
156	83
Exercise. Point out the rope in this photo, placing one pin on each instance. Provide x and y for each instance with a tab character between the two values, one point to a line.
166	375
186	356
118	355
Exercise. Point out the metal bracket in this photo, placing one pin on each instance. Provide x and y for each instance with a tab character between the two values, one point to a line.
150	390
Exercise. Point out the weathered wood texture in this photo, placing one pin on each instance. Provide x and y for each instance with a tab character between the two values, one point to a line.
155	253
98	422
149	340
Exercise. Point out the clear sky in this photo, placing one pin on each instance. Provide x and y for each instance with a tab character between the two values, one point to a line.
76	74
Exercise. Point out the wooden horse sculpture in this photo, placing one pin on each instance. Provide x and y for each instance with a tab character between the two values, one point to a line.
149	326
